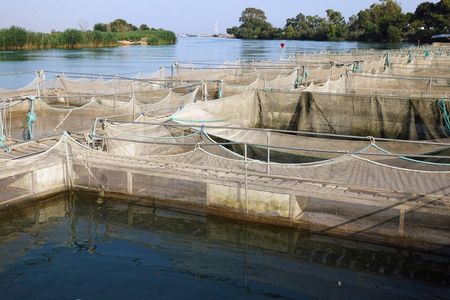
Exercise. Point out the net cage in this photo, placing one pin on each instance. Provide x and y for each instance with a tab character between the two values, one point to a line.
360	123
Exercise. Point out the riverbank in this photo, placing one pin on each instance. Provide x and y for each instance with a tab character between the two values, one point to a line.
16	38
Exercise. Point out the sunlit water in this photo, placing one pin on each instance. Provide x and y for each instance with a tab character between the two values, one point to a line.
132	59
81	247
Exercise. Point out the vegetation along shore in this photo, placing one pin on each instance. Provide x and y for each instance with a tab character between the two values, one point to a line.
103	35
381	22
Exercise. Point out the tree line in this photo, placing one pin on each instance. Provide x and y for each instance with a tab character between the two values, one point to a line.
15	38
381	22
120	25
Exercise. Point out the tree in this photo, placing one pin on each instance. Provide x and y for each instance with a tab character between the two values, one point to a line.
300	27
424	13
253	25
383	21
119	25
233	30
83	24
336	25
144	27
289	32
100	27
251	14
443	10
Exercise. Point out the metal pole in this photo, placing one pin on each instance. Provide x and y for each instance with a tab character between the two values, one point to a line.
246	180
38	77
431	81
268	152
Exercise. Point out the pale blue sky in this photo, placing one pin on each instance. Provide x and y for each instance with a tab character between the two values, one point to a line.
180	16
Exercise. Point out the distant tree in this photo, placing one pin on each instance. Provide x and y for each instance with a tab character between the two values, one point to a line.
381	22
233	30
318	28
83	25
289	32
424	14
429	19
299	25
337	26
100	27
253	25
144	27
434	15
443	10
119	25
352	28
251	14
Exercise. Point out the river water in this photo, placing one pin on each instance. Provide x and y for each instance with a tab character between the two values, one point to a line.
132	59
83	247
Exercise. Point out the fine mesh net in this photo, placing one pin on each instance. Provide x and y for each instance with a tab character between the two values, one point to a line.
354	123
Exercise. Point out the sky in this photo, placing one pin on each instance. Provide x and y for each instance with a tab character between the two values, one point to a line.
179	16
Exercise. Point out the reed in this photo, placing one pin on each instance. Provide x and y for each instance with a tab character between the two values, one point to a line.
16	38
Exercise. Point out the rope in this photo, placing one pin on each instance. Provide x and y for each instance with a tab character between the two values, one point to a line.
2	136
441	104
31	118
62	121
155	137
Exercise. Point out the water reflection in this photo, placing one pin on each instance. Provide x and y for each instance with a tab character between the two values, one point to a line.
76	245
11	56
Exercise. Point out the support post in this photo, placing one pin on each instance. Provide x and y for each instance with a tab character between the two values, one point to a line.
431	81
129	183
246	178
268	152
33	182
401	225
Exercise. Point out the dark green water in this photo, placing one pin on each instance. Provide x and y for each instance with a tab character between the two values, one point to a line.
81	247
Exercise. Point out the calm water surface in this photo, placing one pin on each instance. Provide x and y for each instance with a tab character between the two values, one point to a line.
81	247
132	59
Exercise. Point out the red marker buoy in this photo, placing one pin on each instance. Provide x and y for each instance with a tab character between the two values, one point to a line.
282	46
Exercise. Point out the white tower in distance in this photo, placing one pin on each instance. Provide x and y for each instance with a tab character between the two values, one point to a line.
216	28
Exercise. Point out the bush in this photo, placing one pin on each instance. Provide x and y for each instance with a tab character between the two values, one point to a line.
13	38
72	37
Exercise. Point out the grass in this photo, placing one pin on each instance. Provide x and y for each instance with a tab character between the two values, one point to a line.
16	38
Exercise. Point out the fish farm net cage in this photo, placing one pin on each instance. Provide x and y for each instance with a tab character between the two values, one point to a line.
371	120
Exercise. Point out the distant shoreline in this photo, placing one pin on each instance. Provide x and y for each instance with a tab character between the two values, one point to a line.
16	38
226	36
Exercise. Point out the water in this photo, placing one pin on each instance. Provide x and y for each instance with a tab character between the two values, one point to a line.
132	59
81	247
